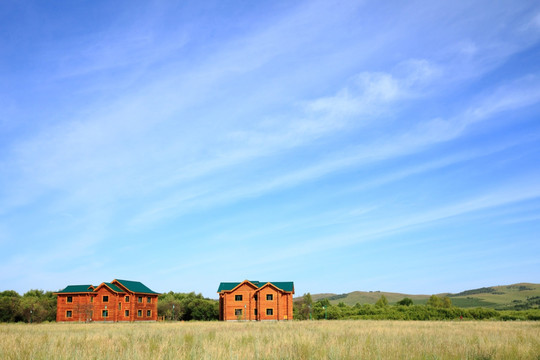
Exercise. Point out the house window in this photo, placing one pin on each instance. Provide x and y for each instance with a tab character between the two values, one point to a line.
92	299
269	297
139	299
238	312
149	299
127	298
237	297
126	313
69	299
119	306
139	313
255	297
69	313
255	312
269	311
148	313
105	313
105	298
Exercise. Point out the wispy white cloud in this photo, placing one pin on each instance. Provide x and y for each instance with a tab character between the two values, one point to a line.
532	218
100	138
370	92
517	94
424	135
522	190
162	120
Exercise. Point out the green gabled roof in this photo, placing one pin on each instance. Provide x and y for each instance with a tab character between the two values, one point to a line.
136	287
77	289
283	285
114	287
226	286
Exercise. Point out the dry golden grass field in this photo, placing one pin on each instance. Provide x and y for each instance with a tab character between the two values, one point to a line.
345	339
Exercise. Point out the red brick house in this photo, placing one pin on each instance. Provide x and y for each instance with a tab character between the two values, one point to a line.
256	300
119	300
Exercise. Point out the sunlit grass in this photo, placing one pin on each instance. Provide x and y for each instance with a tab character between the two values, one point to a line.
273	340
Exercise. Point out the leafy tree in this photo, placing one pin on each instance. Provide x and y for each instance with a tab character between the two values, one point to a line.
382	302
204	309
189	306
170	307
302	307
9	306
405	302
307	299
437	302
434	301
34	293
319	309
10	293
37	306
333	313
324	302
446	302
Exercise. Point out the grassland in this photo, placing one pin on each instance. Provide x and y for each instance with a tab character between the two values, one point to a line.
283	340
496	297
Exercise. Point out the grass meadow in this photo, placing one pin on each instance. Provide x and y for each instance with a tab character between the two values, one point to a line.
347	339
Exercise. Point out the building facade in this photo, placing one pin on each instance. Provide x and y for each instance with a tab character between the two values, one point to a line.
119	300
256	300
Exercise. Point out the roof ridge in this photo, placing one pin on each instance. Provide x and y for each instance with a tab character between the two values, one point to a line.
136	286
283	285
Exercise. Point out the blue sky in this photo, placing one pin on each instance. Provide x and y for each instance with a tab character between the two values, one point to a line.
350	145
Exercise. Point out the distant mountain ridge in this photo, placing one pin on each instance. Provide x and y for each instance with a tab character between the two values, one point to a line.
520	296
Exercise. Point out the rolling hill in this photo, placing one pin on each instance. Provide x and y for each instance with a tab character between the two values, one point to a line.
503	297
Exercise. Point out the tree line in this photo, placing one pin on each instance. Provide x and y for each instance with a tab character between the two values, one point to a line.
39	306
436	309
33	306
185	307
